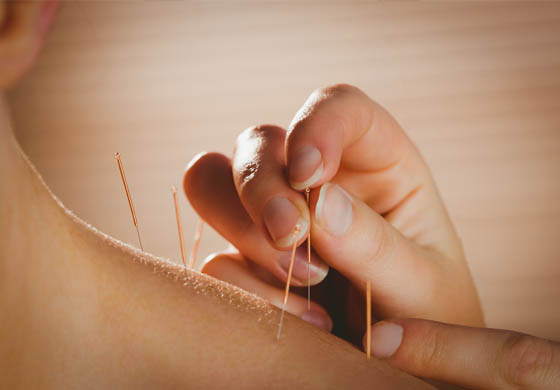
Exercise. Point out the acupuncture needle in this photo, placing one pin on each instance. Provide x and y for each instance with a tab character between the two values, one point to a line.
179	225
307	190
290	269
123	177
368	319
196	243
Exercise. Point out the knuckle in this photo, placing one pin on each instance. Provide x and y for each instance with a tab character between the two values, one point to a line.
322	110
247	173
334	108
252	136
526	360
261	131
332	95
338	90
382	246
433	351
251	175
253	146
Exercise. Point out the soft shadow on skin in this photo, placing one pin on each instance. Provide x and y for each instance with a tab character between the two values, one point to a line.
199	283
138	319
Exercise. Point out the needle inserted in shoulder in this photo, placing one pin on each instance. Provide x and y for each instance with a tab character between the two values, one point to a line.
368	319
196	243
307	190
288	280
179	225
125	184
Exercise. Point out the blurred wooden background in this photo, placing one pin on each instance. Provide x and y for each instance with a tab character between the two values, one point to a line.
476	85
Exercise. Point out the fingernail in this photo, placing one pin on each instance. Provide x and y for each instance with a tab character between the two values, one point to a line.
334	209
306	167
386	338
318	270
319	319
280	218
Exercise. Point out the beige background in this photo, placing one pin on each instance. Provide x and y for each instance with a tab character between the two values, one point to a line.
476	85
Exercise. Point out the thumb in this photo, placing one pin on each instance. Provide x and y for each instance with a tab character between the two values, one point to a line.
468	357
406	279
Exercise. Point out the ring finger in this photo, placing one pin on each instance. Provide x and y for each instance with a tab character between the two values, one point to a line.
234	269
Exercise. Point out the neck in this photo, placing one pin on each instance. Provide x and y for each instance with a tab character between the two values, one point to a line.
41	240
58	275
76	304
44	266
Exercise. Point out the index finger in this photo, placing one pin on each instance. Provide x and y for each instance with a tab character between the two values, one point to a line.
340	129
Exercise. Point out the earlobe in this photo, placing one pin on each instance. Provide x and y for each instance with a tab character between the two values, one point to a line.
3	7
21	36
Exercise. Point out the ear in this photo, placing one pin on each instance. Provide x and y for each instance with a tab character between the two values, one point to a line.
3	7
23	26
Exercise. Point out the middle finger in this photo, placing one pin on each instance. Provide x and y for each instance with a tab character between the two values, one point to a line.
208	184
260	180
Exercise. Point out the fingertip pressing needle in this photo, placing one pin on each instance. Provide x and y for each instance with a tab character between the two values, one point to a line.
368	319
125	184
307	190
288	280
179	225
196	243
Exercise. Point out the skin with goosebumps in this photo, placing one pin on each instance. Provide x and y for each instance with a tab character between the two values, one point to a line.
374	212
79	309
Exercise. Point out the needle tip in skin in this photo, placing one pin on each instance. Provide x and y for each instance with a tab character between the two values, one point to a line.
128	197
368	319
307	191
139	239
288	280
196	244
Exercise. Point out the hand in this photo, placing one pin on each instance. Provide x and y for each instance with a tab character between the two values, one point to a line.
468	357
375	214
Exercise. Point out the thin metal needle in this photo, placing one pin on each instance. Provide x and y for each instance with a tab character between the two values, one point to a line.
307	190
125	184
368	319
179	225
288	280
139	239
196	244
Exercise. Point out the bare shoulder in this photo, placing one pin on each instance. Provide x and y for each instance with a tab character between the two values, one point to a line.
81	309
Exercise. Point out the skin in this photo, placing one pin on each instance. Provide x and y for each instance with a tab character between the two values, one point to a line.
80	309
469	357
393	230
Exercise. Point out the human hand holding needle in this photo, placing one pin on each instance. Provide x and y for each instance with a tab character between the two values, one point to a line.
374	208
